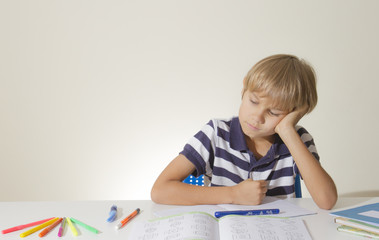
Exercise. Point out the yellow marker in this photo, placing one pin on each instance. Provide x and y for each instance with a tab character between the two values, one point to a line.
72	227
39	227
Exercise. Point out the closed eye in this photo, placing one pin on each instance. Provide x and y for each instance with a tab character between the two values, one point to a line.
253	102
274	114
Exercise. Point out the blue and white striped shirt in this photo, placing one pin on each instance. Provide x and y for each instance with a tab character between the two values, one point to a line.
219	151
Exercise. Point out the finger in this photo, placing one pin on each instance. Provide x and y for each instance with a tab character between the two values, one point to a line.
263	191
265	188
262	183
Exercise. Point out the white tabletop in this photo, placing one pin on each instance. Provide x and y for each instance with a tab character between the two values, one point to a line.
94	213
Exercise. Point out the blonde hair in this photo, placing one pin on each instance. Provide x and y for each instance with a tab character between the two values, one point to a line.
287	80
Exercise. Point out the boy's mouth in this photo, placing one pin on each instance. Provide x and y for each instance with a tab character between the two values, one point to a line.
253	127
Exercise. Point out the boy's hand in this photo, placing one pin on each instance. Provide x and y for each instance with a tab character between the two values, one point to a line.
249	192
291	119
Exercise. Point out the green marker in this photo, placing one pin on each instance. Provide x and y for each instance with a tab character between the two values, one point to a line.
94	230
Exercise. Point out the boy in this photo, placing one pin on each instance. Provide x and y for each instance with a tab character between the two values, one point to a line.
257	153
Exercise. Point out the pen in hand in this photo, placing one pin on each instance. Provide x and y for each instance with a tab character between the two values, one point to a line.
127	219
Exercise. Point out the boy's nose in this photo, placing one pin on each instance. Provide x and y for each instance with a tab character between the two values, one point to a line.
258	117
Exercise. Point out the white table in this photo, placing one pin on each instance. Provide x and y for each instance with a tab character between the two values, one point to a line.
95	213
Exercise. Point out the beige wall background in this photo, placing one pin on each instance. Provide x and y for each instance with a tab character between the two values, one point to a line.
97	97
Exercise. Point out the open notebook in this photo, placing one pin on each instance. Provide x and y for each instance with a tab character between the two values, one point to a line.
200	225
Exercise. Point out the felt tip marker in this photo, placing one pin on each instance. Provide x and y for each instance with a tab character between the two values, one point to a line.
39	227
61	228
112	214
72	227
49	228
20	227
89	228
127	219
247	212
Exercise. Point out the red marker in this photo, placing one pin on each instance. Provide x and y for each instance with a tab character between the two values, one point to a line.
127	219
24	226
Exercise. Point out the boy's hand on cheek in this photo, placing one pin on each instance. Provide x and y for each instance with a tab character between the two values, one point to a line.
249	192
290	120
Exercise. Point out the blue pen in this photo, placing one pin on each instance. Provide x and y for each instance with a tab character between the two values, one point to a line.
247	212
112	214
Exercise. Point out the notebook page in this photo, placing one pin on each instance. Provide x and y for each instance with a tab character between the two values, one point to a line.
183	226
262	228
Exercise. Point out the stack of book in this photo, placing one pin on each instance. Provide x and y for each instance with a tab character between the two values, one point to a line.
362	220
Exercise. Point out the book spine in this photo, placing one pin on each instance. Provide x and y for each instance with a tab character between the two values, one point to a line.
357	224
358	232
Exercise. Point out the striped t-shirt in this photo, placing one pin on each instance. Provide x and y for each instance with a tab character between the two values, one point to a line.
219	151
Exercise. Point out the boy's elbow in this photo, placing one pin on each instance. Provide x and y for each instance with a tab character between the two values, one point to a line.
328	201
155	196
327	205
159	194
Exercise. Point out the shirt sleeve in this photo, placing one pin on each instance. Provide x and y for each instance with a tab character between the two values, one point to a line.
200	149
308	140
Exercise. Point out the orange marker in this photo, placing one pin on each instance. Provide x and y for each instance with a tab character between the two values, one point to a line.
128	218
49	228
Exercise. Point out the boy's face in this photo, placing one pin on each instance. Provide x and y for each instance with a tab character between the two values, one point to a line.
258	117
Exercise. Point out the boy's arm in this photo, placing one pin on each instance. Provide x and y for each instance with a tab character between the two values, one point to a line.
319	184
169	188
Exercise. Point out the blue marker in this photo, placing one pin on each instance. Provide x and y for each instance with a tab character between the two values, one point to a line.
112	214
247	212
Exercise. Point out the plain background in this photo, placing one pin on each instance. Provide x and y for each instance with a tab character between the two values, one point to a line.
97	97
